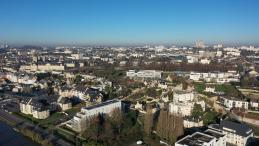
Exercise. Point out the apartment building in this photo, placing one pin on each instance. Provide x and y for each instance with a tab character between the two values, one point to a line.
79	121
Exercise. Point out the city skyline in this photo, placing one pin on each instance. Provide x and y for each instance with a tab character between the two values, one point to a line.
130	22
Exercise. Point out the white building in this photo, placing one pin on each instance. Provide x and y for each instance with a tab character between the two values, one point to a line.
192	59
218	77
231	102
236	133
184	108
42	67
29	107
79	122
205	61
183	96
210	89
144	74
208	138
189	123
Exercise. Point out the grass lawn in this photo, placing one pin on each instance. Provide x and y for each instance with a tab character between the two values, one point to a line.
46	123
227	89
50	121
256	129
73	110
27	118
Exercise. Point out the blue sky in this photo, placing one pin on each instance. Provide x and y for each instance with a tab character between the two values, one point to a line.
129	21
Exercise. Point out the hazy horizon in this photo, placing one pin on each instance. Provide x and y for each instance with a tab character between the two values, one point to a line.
129	22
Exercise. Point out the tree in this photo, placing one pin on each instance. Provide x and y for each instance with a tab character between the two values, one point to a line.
169	126
78	79
148	121
95	128
117	119
197	111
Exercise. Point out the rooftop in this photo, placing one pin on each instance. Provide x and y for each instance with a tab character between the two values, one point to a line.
238	128
102	104
196	139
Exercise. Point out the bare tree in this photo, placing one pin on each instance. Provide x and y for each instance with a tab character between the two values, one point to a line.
169	126
117	119
149	120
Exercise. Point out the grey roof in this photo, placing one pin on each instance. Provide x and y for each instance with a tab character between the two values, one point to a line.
102	104
240	129
196	139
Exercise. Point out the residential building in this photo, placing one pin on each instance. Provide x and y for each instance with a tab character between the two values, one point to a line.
32	107
232	102
64	103
144	74
184	108
208	138
183	96
236	133
80	120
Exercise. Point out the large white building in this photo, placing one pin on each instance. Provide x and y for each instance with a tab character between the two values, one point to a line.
144	74
231	102
183	103
218	77
42	67
79	122
208	138
184	108
236	133
183	96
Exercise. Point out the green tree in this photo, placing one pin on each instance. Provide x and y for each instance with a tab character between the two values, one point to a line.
197	110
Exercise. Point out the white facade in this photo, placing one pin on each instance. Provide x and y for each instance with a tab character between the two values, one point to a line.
183	96
184	109
191	123
40	114
218	77
210	89
234	103
144	74
207	138
205	61
44	67
192	59
29	109
236	133
79	122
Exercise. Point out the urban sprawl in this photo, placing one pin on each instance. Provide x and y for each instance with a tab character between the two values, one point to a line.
150	95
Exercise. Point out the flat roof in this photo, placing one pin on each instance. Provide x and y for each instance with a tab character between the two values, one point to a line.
214	133
196	139
102	104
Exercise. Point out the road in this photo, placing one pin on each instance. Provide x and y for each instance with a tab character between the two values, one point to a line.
10	118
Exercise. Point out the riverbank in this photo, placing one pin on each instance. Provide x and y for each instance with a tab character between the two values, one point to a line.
10	137
31	131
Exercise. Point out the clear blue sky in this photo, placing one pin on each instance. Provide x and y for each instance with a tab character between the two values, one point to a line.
129	21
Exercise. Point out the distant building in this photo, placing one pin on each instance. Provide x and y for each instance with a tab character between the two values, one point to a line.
205	61
153	74
232	102
210	89
42	67
200	44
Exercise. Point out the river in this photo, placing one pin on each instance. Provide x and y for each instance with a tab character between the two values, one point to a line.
9	137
